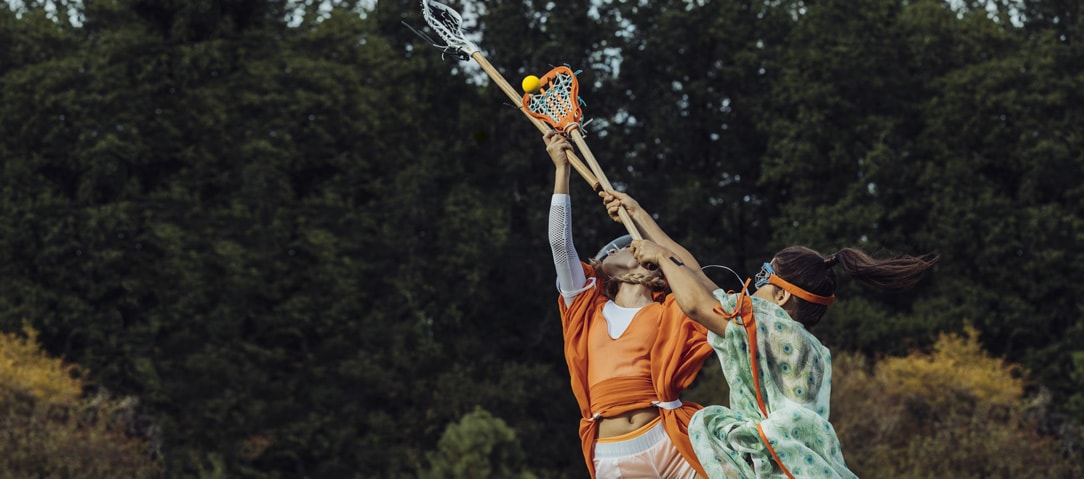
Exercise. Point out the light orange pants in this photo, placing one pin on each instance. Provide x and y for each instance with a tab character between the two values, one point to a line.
646	453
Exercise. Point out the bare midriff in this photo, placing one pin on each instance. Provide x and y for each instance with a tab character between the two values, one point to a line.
627	422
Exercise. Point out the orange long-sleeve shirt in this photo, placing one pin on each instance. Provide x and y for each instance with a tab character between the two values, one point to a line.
655	359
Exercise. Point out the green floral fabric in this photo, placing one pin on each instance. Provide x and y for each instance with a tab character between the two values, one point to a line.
796	381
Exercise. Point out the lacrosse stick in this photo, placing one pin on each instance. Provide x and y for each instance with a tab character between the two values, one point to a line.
557	102
448	24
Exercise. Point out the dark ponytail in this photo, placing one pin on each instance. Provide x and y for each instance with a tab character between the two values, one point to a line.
814	273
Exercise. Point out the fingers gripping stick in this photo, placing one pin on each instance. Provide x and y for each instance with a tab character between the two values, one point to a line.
447	23
557	103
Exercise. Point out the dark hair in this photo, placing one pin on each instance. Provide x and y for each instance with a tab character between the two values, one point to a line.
814	273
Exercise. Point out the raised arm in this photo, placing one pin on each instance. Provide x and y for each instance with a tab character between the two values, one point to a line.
693	296
652	231
570	275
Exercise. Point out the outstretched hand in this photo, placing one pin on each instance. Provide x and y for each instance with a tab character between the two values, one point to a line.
558	147
615	200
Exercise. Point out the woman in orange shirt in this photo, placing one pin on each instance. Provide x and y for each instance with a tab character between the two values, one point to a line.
630	350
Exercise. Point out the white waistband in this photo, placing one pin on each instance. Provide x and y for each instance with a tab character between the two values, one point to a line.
638	444
675	404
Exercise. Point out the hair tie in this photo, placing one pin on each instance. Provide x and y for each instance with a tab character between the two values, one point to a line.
831	260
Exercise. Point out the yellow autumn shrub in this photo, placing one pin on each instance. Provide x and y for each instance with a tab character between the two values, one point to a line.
48	428
958	368
953	412
25	367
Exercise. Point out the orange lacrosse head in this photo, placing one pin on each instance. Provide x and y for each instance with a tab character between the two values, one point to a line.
557	102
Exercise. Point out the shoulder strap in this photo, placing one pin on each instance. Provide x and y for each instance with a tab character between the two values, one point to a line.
744	310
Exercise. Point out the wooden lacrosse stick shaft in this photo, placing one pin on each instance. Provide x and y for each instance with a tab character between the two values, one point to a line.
593	174
577	137
497	78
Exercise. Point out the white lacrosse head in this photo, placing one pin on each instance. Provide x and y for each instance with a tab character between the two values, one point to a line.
448	24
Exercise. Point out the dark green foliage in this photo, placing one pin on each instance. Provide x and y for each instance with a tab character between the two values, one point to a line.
311	245
479	446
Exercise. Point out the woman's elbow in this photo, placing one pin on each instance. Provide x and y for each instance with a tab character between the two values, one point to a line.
703	312
708	315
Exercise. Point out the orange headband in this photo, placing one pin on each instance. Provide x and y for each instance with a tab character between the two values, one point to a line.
799	292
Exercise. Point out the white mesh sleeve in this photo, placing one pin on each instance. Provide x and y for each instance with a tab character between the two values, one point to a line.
570	278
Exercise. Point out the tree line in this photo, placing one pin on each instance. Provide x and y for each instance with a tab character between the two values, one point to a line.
311	245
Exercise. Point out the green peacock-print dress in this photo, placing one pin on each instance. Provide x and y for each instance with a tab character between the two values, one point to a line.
796	376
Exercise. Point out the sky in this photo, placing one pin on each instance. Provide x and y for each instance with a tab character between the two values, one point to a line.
467	8
73	13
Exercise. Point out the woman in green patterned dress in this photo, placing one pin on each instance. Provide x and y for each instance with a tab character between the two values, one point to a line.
779	374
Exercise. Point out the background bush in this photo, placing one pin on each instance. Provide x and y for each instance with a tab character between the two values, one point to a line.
955	412
48	428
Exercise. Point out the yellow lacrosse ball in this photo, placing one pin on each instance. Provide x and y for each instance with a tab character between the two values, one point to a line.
531	84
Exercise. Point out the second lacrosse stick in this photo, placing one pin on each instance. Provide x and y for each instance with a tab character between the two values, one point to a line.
449	26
